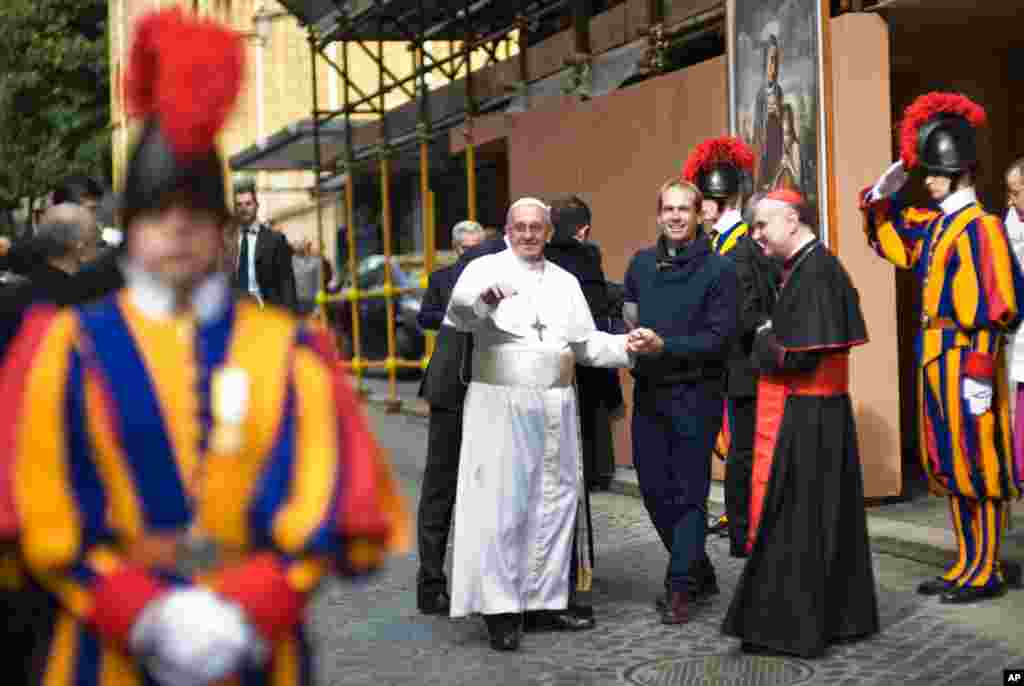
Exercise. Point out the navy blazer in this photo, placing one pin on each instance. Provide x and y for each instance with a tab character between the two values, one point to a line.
444	382
436	297
488	247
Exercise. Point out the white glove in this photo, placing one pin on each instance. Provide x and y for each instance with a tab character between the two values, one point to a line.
892	180
978	395
191	637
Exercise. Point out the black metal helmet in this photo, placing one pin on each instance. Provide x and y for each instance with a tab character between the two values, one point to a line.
719	181
155	175
947	145
939	132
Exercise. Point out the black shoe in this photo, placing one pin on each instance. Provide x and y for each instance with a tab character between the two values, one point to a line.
1012	574
433	603
705	590
972	594
557	620
936	586
704	583
661	602
504	630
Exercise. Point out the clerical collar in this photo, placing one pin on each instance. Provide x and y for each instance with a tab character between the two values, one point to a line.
958	200
800	252
156	300
729	219
684	253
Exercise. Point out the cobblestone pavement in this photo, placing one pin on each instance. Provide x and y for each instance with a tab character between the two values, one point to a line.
371	633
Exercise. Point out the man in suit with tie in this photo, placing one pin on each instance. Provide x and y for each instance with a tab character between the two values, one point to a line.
444	388
264	268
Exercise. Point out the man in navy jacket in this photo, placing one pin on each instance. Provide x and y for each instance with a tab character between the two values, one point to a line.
684	298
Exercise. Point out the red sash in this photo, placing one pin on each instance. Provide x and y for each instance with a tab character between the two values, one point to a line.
830	378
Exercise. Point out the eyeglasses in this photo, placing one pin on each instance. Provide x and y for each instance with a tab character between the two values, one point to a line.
521	229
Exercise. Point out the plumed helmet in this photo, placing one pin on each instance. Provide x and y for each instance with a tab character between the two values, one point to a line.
939	133
717	165
720	180
947	145
183	79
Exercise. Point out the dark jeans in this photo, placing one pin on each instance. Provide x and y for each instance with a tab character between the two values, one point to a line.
437	496
738	467
674	428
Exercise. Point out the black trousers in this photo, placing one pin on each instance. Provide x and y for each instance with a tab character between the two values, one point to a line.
738	467
437	496
597	447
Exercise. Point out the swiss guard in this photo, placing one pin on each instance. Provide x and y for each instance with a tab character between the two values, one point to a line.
971	290
184	468
717	167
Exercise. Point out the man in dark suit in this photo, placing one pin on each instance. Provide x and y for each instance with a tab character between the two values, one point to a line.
600	392
264	256
488	246
444	388
67	235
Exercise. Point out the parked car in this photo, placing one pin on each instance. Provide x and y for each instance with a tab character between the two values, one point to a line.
410	342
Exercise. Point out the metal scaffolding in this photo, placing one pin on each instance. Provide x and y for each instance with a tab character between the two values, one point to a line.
442	36
467	28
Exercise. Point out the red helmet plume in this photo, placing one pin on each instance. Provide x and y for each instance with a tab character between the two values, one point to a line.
727	149
186	73
923	109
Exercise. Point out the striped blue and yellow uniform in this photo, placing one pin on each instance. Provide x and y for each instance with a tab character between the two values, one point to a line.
113	444
726	240
971	284
722	243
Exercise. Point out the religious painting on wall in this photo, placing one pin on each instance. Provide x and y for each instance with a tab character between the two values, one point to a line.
776	92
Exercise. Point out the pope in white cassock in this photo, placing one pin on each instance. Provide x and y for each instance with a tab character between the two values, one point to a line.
519	467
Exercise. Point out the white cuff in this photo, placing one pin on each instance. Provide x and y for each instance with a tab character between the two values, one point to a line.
482	309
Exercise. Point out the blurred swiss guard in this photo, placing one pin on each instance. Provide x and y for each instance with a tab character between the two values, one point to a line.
717	167
971	289
186	468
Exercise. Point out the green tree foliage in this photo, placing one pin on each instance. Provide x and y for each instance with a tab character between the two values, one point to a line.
54	94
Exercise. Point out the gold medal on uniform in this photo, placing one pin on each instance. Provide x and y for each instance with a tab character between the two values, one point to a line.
230	402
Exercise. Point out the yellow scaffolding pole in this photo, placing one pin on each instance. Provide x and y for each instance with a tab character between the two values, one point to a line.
357	363
471	170
431	229
428	239
391	363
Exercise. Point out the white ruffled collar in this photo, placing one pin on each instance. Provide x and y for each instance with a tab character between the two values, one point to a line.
958	200
210	299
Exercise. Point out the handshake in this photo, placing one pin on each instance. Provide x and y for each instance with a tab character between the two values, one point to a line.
643	342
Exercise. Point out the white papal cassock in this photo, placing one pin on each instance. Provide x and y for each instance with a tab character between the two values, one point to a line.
519	467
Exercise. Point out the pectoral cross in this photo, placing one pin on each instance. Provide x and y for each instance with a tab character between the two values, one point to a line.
539	328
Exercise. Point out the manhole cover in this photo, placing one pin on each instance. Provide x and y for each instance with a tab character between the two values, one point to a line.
721	670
